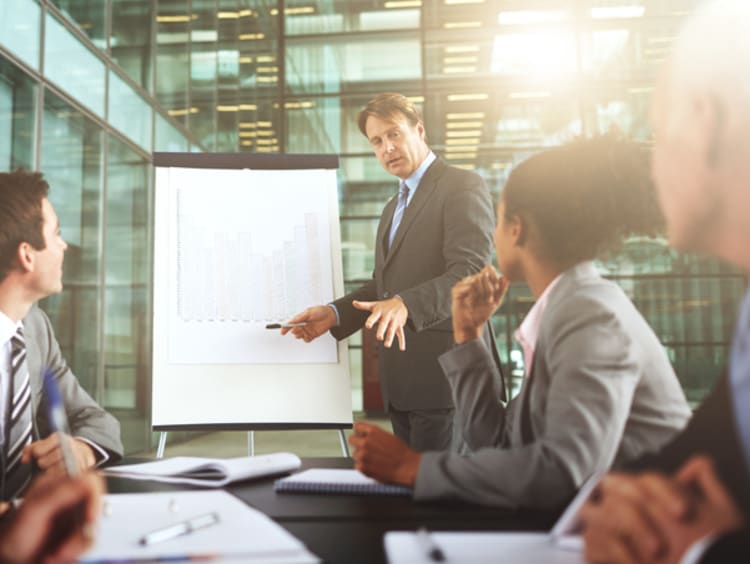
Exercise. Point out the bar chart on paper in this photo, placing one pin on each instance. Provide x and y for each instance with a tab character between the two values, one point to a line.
257	251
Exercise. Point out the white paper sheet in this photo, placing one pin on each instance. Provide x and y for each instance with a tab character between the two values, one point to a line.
479	548
242	532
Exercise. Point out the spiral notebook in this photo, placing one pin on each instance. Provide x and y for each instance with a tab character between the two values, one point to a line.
337	481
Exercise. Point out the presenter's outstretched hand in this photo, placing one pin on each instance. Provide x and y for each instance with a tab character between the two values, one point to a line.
474	300
655	518
390	316
55	521
383	456
317	319
47	455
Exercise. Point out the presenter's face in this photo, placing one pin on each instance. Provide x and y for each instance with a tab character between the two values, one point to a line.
48	262
399	146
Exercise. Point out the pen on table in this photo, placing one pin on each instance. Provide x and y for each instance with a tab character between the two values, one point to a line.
59	422
428	546
179	529
284	325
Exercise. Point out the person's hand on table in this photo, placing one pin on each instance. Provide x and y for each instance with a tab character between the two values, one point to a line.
650	517
383	456
54	522
48	456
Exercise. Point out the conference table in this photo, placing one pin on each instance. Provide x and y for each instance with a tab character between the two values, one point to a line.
350	528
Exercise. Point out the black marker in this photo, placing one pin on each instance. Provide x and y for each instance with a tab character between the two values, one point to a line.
284	325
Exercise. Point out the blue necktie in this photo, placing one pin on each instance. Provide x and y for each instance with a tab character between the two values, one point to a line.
403	198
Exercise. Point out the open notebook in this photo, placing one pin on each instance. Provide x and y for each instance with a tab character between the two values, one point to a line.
337	481
211	472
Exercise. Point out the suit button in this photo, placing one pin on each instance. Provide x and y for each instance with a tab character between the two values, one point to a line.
385	294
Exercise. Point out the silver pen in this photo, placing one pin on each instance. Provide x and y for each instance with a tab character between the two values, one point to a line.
179	529
428	547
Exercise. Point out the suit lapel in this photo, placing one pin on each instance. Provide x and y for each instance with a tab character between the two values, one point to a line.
384	227
424	190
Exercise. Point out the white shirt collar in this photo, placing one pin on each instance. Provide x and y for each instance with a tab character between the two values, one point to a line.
8	328
528	332
416	177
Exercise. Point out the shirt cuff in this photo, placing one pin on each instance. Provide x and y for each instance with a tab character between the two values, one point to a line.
99	453
336	311
696	551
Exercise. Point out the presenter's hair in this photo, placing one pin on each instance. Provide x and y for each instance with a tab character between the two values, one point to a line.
582	199
386	106
21	219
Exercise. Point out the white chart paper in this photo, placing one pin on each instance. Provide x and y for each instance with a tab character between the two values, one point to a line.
257	251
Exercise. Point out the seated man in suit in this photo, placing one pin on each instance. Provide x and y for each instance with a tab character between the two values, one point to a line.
55	521
31	258
599	387
694	503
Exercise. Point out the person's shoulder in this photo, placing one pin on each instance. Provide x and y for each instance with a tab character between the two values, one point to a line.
35	320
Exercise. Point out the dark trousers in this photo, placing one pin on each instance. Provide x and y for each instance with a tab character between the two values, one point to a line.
425	429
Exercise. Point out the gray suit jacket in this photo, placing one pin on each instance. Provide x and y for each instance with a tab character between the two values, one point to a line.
86	418
601	391
445	235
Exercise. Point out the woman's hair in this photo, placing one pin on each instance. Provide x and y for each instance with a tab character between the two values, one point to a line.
582	199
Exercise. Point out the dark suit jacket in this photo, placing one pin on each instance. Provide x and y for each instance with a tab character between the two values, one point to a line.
445	235
86	418
712	431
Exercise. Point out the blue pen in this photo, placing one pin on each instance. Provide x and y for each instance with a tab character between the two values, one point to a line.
59	422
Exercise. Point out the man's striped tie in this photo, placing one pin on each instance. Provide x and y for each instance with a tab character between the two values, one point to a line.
19	431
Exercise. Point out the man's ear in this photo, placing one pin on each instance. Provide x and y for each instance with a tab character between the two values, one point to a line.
420	130
25	254
709	118
519	228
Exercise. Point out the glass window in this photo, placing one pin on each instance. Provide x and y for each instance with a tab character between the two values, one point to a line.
168	137
73	67
128	112
17	117
89	15
19	29
127	360
329	16
71	162
332	65
130	43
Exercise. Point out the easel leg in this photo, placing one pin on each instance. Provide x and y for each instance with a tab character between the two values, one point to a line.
250	443
344	446
162	445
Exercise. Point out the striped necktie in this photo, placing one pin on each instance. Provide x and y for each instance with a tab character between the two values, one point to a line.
19	431
403	198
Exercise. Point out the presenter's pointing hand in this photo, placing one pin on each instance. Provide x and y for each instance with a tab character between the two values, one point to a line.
473	301
390	316
317	320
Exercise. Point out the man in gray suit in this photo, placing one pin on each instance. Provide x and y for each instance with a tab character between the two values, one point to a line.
32	251
434	232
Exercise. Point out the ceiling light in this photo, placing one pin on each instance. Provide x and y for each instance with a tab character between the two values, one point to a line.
266	58
463	142
525	17
245	60
463	124
462	49
248	107
466	97
247	125
228	15
607	12
227	108
461	25
465	115
459	60
415	99
251	36
183	111
467	133
248	134
403	4
531	94
176	19
457	69
453	2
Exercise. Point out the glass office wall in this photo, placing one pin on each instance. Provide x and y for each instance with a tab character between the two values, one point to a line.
89	88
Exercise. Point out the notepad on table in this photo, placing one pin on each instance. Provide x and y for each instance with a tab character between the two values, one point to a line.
240	533
212	472
337	481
